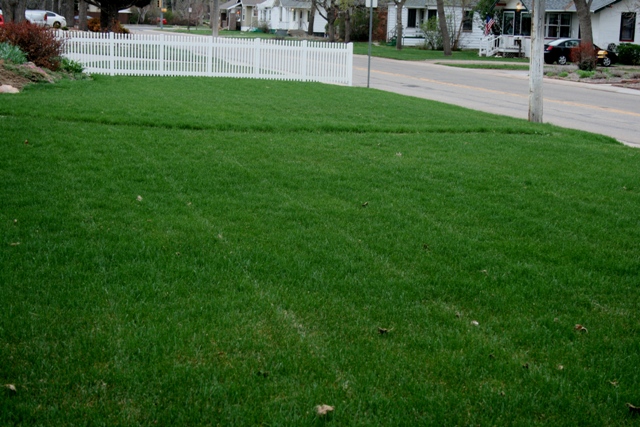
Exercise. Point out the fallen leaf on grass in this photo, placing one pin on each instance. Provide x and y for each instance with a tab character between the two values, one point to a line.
14	243
383	331
365	204
139	198
475	323
26	142
323	410
399	154
614	383
560	367
635	410
580	328
11	388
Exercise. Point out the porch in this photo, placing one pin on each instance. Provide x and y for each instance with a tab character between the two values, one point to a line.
506	46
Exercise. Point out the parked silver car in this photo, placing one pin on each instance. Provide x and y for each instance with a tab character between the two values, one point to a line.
45	17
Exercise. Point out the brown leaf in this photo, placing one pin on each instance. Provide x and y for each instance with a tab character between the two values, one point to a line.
12	388
139	198
475	323
365	204
14	243
580	328
323	410
633	409
383	331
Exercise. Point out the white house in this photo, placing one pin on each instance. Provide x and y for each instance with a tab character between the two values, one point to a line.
288	15
241	15
461	21
613	21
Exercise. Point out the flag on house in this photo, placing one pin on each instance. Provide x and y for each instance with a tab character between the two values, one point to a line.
488	24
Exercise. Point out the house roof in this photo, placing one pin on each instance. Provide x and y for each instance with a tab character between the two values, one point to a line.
550	5
295	4
230	5
239	3
569	6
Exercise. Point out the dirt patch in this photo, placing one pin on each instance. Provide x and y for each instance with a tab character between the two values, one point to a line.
11	78
619	75
18	76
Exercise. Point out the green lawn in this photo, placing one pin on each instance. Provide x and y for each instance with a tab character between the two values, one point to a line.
193	251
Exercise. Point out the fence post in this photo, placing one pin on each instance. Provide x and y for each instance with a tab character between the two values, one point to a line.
161	45
304	60
256	57
349	64
112	53
210	57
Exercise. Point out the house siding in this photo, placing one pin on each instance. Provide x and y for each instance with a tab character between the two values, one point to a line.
467	40
607	28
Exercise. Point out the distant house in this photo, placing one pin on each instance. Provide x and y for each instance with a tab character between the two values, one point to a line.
613	21
240	15
461	20
286	15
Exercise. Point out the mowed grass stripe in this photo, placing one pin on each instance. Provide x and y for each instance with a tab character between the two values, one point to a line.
249	283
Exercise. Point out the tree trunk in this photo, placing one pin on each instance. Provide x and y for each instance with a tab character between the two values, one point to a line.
587	54
399	7
331	21
442	20
108	17
312	17
215	17
82	15
13	10
68	12
347	25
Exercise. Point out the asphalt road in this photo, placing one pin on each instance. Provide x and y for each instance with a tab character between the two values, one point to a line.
602	109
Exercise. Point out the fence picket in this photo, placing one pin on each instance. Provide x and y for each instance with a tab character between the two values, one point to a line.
178	55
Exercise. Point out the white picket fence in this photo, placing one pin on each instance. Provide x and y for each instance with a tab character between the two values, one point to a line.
184	55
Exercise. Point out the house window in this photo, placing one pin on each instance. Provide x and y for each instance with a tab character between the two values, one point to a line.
525	24
627	26
432	13
508	21
412	18
558	25
294	14
467	21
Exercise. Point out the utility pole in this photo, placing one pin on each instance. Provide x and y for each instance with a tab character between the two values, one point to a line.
370	4
536	62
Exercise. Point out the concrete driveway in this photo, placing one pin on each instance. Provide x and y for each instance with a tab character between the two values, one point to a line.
602	109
